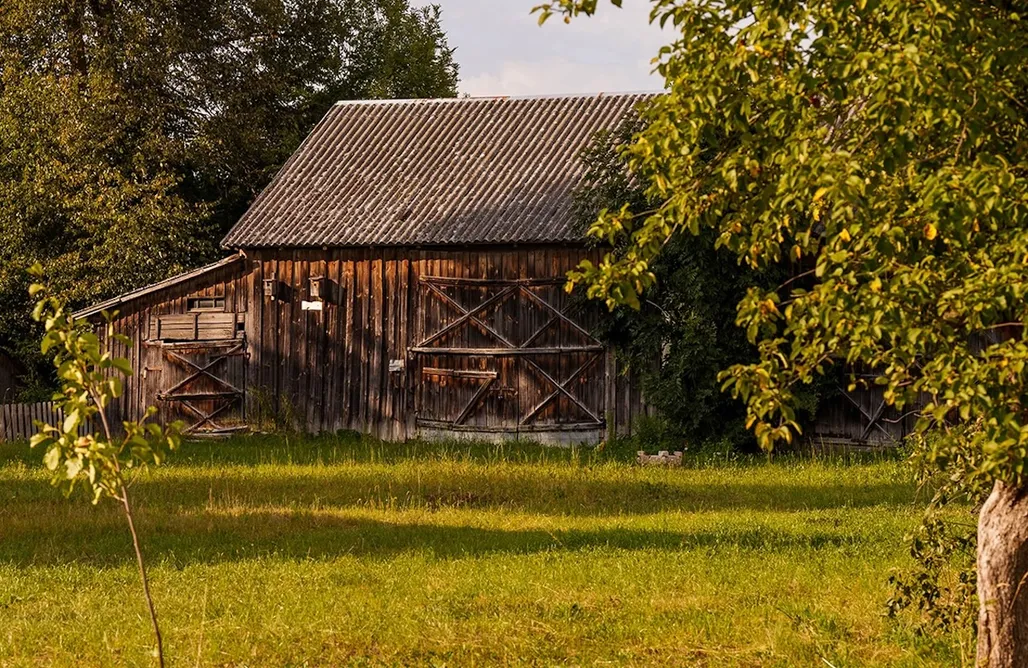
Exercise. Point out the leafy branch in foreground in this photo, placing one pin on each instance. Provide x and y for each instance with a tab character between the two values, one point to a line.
90	379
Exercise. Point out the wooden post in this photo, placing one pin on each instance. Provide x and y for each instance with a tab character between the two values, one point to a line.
610	394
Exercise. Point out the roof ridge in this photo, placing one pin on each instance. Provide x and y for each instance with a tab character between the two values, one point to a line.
491	98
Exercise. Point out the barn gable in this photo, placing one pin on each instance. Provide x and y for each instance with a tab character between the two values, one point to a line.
156	289
433	172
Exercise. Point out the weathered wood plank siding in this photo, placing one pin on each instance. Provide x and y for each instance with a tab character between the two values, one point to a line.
350	367
861	417
507	352
160	368
477	342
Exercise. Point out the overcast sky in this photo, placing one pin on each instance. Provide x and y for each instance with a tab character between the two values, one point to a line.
503	51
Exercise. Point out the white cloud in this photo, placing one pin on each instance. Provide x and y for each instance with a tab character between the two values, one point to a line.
502	50
540	77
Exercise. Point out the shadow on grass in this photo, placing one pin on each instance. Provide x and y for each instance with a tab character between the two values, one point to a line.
184	539
350	448
539	491
38	527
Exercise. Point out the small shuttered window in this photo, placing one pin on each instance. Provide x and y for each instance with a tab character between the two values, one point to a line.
207	304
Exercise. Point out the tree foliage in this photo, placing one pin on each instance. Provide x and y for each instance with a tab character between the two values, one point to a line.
884	144
683	333
90	379
134	133
86	189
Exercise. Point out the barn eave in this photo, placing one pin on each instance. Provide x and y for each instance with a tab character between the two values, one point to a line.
126	297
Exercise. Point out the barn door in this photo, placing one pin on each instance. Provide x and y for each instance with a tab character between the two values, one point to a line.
199	379
506	356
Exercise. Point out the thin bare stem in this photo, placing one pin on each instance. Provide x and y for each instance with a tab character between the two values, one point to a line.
127	505
142	575
795	278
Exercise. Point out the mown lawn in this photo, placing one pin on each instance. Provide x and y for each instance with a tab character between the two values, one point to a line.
268	552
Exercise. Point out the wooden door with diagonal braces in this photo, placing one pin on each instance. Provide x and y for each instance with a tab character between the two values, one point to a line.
201	383
507	356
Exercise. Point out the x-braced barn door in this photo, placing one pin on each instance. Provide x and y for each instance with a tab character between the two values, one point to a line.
509	356
200	382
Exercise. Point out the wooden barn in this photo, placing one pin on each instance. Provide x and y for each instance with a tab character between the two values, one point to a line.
401	276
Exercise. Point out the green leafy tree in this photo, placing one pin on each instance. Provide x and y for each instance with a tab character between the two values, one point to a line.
250	80
87	190
683	333
134	133
885	144
101	461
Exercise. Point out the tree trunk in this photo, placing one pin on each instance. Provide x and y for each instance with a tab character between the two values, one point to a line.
73	23
1003	579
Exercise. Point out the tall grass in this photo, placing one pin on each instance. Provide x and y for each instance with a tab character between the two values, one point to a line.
336	550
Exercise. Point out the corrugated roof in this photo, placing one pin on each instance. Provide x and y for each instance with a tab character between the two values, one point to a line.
114	302
426	172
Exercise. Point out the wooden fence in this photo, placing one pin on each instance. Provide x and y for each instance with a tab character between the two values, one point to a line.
17	421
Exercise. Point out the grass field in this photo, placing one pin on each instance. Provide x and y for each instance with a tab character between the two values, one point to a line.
268	552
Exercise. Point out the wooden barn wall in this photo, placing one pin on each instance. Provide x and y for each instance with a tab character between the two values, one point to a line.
133	320
329	369
861	417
